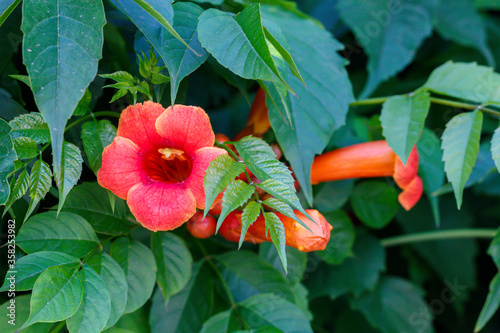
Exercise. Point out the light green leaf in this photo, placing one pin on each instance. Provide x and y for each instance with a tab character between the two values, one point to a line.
296	261
236	195
40	182
250	213
25	148
221	171
390	34
71	169
29	268
460	144
61	67
173	260
97	135
138	264
66	232
342	238
57	294
120	76
6	8
495	148
8	156
31	126
94	310
403	119
18	189
277	232
83	105
115	280
281	207
491	305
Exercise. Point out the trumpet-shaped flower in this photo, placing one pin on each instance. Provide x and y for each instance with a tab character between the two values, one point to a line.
258	120
371	159
157	162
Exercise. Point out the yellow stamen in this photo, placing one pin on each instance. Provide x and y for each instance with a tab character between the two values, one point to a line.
172	153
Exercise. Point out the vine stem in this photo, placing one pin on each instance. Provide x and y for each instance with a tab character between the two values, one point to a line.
92	115
435	100
438	235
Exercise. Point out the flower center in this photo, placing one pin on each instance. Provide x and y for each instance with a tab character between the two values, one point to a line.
167	165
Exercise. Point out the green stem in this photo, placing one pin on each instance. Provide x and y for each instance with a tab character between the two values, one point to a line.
96	114
438	235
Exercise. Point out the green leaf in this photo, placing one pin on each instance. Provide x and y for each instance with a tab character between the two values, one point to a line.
247	274
83	105
189	308
236	195
18	189
494	249
61	67
29	268
95	307
31	126
97	135
138	264
6	8
71	169
491	305
341	238
392	306
40	182
281	207
325	96
356	274
495	148
250	213
460	144
296	261
261	160
431	168
173	260
67	233
56	296
8	156
239	43
460	22
26	80
120	76
22	308
331	196
390	34
276	230
221	171
467	81
116	282
403	119
375	203
89	200
179	60
25	148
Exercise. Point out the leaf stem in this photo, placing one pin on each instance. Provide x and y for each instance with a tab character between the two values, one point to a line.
438	235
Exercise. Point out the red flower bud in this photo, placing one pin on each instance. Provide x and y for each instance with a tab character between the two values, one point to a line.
201	227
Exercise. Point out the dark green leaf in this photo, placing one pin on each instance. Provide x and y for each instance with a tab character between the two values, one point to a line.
296	261
116	281
250	213
341	238
22	308
491	305
40	182
138	264
495	148
31	126
94	310
68	233
331	196
57	294
173	260
218	175
375	203
403	119
8	156
275	228
494	249
71	169
236	195
6	8
18	188
460	144
97	135
61	67
83	105
25	148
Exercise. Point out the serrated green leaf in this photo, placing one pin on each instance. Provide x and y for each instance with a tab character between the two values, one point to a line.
221	171
57	294
25	148
460	144
403	119
71	169
138	264
6	8
94	310
120	76
66	232
119	94
261	160
8	156
31	126
18	188
491	304
237	194
116	281
61	67
281	207
277	232
495	148
342	238
296	261
40	182
97	135
249	215
29	268
389	34
173	260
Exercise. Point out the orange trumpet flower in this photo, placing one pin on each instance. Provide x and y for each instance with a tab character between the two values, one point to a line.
258	120
371	159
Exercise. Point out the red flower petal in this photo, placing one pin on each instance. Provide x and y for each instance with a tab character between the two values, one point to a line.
201	159
404	174
137	123
121	167
411	193
185	127
161	206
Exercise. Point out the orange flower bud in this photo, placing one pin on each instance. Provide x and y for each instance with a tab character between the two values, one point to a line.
258	120
201	227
